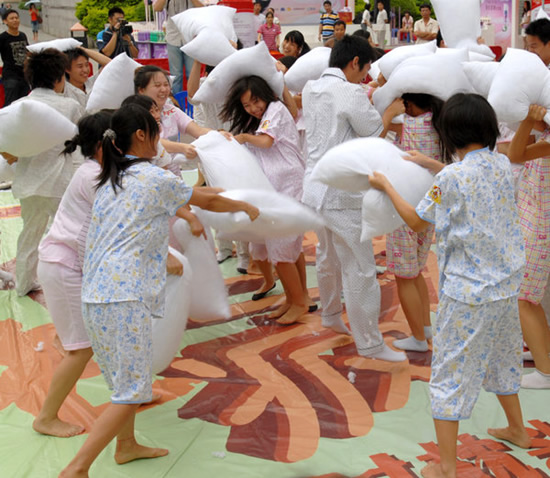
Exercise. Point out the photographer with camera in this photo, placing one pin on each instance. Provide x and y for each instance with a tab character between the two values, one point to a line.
118	37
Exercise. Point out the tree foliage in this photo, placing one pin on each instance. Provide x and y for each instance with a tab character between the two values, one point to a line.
93	14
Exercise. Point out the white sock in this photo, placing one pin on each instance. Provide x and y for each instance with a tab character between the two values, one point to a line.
387	354
536	380
336	324
410	343
428	332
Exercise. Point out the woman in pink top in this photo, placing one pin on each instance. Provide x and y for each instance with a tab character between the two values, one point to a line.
269	32
61	255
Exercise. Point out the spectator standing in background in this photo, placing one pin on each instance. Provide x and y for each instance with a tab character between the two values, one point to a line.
115	39
339	29
33	11
269	32
326	23
365	20
426	28
13	50
259	17
380	24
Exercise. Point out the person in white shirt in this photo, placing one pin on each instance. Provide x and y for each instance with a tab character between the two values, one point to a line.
407	26
380	24
259	17
426	28
336	109
41	180
365	20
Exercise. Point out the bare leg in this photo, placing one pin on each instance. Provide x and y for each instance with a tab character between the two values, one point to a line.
117	420
267	271
127	449
447	434
535	333
422	289
301	265
290	278
515	432
413	307
64	379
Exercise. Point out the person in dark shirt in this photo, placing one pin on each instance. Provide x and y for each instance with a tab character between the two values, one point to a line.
13	50
114	40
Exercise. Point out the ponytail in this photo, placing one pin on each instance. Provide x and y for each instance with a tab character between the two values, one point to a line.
117	141
90	134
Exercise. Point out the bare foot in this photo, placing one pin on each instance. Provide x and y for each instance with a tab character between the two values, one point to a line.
517	437
432	470
73	472
279	311
292	315
131	451
56	428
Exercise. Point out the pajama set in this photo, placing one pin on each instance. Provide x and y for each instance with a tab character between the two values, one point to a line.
534	212
61	255
125	273
336	111
284	166
478	340
174	123
406	250
39	184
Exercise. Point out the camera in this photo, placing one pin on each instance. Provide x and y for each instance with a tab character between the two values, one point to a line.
125	29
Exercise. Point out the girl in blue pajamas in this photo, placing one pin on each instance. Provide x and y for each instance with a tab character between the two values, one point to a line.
124	274
478	340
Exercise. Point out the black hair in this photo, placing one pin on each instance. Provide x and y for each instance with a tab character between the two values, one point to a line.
340	22
296	37
433	104
270	13
467	119
288	61
72	55
327	1
439	39
539	28
141	100
90	134
347	49
425	5
124	123
45	69
233	110
528	9
9	11
361	33
144	75
114	10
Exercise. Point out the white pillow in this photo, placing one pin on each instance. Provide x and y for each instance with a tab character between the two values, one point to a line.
459	22
481	75
228	164
215	18
280	216
347	166
456	54
308	67
374	70
7	171
439	75
168	331
255	60
541	14
61	44
208	294
209	47
520	81
114	85
396	56
47	126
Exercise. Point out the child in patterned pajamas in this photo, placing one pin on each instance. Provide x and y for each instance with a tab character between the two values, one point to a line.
125	272
477	339
534	212
407	250
267	125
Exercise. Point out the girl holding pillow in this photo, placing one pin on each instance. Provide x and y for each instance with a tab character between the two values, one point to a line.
534	212
125	273
407	250
267	125
477	340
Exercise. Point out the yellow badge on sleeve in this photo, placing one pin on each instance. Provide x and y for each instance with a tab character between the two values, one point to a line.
265	125
435	194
